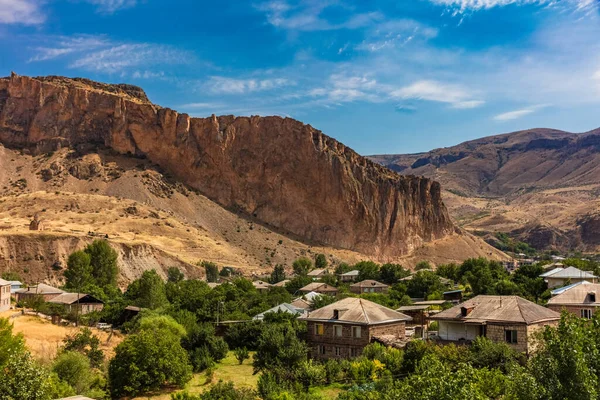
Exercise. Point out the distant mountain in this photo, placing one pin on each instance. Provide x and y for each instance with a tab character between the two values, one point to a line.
540	184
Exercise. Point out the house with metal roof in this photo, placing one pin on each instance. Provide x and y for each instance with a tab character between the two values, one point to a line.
344	328
581	299
305	301
281	308
369	286
318	273
72	302
42	290
319	287
509	319
4	295
560	276
349	276
261	285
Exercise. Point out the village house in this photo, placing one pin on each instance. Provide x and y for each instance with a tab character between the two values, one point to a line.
559	276
318	287
4	295
344	328
349	276
14	286
281	283
46	292
509	319
78	302
369	286
581	299
316	274
261	286
281	308
305	302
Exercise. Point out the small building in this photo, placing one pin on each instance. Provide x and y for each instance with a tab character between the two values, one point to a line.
453	295
14	286
305	302
319	287
261	286
42	290
369	286
581	299
36	224
349	276
281	283
213	285
559	276
4	295
344	328
281	308
72	302
318	273
509	319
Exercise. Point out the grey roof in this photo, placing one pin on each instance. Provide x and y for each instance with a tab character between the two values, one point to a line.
430	302
71	298
318	286
562	289
511	309
41	288
261	284
305	301
354	272
356	311
284	307
552	271
318	272
3	282
578	295
281	283
567	273
368	283
413	308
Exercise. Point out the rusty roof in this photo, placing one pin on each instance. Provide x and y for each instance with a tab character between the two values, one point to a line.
356	311
369	283
579	294
513	309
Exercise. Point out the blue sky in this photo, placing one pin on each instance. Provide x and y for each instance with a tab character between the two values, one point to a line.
381	76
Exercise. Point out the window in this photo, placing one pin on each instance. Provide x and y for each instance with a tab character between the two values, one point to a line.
356	332
337	330
354	352
338	351
586	313
319	329
321	349
511	336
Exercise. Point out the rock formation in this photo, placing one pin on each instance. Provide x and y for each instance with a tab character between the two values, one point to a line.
279	171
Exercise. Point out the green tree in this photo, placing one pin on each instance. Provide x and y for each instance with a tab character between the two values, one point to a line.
148	291
302	266
86	343
174	275
23	379
79	271
296	283
392	273
241	354
278	274
9	342
75	369
212	271
310	373
423	284
279	349
320	261
422	265
147	361
103	260
367	270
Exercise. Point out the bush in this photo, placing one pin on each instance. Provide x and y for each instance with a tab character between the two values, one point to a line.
310	373
75	369
86	343
241	354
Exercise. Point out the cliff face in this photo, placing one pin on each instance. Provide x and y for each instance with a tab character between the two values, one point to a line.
282	172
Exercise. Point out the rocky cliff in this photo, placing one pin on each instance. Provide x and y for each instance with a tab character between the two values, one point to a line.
281	172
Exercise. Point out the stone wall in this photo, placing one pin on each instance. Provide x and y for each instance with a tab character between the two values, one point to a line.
574	309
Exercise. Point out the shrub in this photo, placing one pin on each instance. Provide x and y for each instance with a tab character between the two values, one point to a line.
241	354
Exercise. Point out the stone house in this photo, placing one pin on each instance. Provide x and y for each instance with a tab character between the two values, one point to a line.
581	299
72	301
4	295
316	274
344	328
369	286
349	276
42	290
319	287
558	277
509	319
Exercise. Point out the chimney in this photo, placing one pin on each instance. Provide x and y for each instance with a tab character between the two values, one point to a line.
338	313
592	296
464	311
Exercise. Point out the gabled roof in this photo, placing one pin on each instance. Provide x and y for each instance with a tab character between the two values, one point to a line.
567	273
356	311
71	298
511	309
3	282
354	272
578	295
41	288
305	301
318	286
261	285
560	290
284	307
317	272
281	283
368	283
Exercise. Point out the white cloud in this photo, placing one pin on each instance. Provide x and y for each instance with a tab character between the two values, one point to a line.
223	85
511	115
596	75
111	6
395	33
147	75
69	45
25	12
453	94
461	6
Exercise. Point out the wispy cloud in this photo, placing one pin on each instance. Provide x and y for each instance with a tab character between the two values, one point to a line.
462	6
455	95
511	115
307	16
223	85
24	12
395	33
111	6
100	54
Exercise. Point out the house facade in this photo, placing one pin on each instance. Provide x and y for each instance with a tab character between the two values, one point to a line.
318	287
46	292
349	276
369	286
559	276
343	329
509	319
580	299
4	295
78	302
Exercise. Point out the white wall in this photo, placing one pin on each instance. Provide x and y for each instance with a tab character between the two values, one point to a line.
455	331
